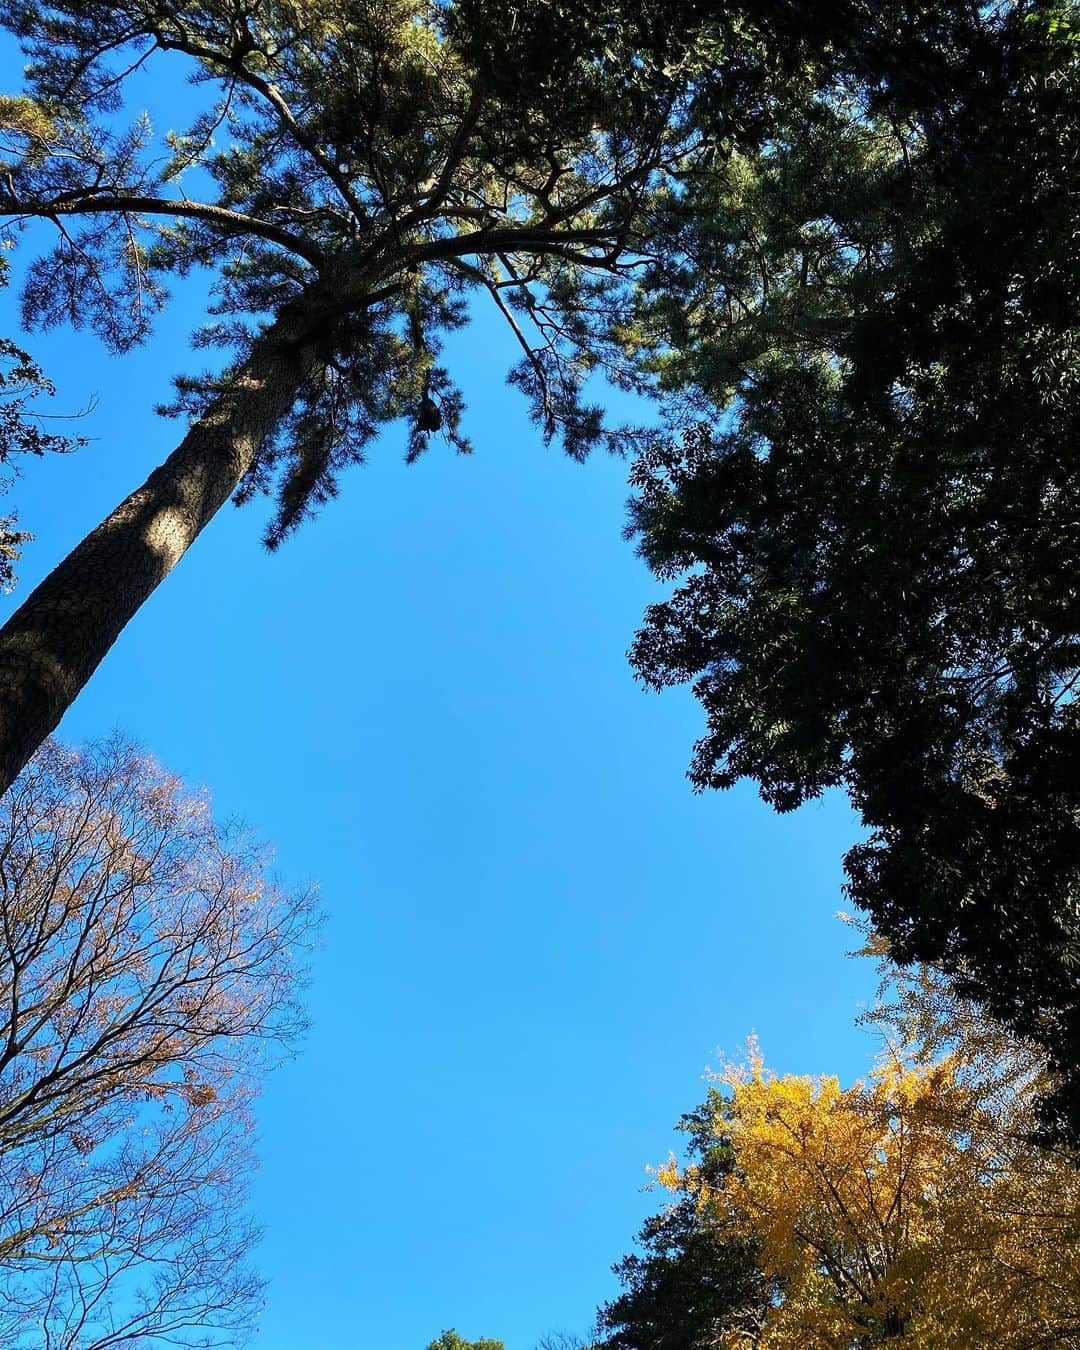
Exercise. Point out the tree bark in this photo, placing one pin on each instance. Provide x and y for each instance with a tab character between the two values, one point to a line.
55	641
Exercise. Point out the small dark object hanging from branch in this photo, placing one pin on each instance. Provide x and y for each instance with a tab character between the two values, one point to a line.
429	415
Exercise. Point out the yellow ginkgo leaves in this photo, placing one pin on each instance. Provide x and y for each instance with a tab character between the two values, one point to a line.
910	1206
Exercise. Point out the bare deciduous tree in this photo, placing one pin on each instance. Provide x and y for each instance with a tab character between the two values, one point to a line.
149	979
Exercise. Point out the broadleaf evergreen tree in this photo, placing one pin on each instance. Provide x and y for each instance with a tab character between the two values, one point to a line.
875	523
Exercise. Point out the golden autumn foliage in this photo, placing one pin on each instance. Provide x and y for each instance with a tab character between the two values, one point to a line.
911	1205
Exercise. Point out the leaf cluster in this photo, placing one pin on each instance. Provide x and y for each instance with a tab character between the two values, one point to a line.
150	979
450	1340
912	1205
23	384
696	1278
875	531
370	164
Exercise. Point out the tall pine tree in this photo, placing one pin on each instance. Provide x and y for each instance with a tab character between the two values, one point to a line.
359	170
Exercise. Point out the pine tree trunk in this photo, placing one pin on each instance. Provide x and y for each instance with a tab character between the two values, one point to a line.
54	642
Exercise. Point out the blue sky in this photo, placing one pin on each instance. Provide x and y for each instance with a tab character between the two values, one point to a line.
537	937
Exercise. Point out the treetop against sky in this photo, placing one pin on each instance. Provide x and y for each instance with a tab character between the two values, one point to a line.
424	699
364	168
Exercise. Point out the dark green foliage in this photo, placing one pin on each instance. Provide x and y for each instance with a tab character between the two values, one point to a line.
22	385
366	164
693	1281
568	55
878	544
373	163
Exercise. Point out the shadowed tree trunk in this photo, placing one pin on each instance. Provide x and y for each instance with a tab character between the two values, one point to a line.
54	642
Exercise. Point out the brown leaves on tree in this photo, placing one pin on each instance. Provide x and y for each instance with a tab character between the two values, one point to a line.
149	979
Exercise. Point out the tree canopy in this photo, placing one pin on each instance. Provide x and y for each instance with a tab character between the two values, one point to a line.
693	1282
22	386
842	246
450	1340
874	523
149	979
367	148
912	1205
357	171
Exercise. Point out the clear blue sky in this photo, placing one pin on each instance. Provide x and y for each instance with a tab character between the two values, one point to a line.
537	937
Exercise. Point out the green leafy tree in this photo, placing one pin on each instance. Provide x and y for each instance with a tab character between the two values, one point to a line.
359	170
23	385
450	1340
695	1279
876	543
